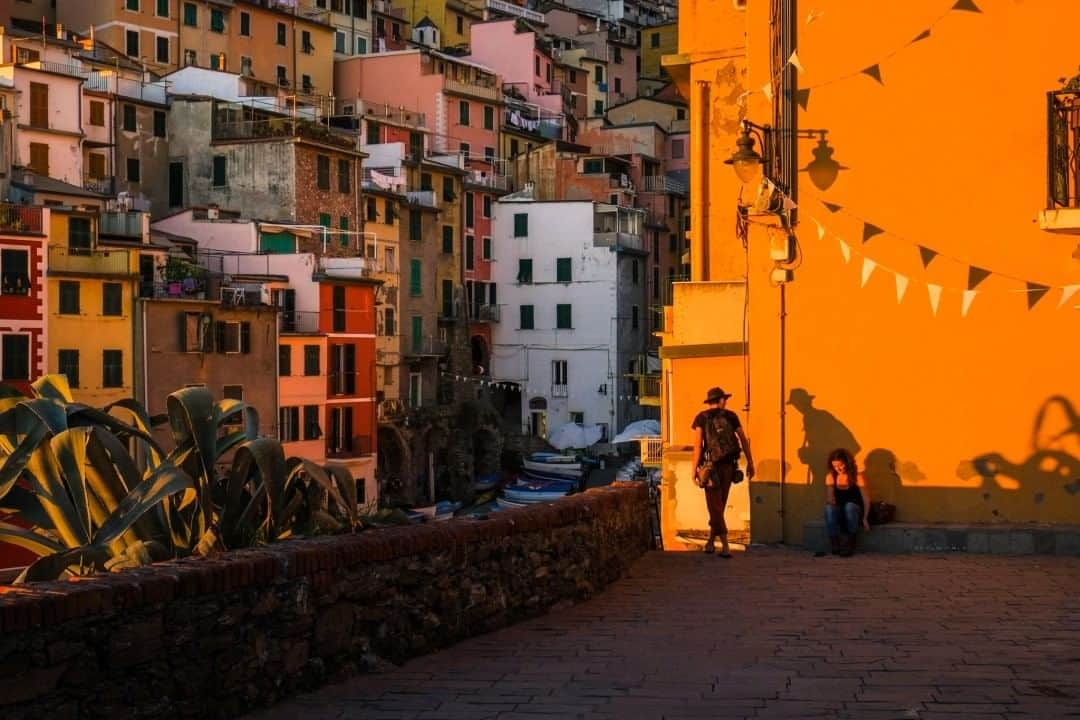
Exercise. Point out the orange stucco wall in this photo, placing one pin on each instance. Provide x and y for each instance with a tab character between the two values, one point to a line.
944	410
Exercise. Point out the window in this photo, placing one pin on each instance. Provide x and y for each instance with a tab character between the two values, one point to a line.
618	85
96	162
425	182
344	176
389	323
521	225
634	271
191	15
617	55
217	61
448	239
487	206
69	297
112	299
415	387
15	272
343	369
312	431
460	24
282	76
284	360
163	8
415	284
415	224
217	20
159	123
680	113
339	308
593	166
390	211
563	270
635	320
370	212
513	148
524	275
312	360
470	252
656	283
39	158
343	225
39	105
463	112
485	251
305	42
339	42
245	65
133	170
245	24
323	168
559	372
417	333
564	317
598	74
130	120
448	298
79	233
361	46
340	440
190	58
232	337
112	368
69	366
220	178
678	149
448	190
193	332
465	150
577	417
489	118
654	40
598	107
16	357
162	46
536	65
289	424
527	317
469	210
132	43
281	34
97	113
489	155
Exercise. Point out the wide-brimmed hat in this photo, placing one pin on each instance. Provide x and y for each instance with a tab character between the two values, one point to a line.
799	396
716	395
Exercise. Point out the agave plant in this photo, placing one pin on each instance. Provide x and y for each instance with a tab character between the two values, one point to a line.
96	492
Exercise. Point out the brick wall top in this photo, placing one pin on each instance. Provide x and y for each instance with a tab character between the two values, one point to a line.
50	603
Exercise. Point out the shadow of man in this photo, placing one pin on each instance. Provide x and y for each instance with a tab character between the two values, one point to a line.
822	433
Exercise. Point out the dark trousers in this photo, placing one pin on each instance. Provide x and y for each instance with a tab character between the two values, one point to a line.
716	496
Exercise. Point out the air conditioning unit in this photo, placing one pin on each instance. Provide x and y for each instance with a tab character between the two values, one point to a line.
212	212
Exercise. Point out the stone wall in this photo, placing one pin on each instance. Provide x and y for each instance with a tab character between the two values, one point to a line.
217	637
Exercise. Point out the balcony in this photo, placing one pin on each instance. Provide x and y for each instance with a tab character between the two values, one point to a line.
279	128
349	268
483	91
384	113
20	218
424	346
1062	213
664	184
652	451
618	227
302	322
425	198
485	313
122	224
102	186
76	261
648	389
488	180
75	71
392	410
515	10
349	447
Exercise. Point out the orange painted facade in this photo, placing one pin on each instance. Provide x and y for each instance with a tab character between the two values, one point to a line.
956	417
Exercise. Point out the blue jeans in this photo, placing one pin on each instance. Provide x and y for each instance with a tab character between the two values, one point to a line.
846	519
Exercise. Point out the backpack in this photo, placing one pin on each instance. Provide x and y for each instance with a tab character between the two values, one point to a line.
720	440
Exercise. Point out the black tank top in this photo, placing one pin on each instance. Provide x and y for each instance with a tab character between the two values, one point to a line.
850	494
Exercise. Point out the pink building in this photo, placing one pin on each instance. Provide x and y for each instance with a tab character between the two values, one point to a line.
459	98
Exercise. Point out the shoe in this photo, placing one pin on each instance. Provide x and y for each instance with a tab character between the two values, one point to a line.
843	546
834	543
710	547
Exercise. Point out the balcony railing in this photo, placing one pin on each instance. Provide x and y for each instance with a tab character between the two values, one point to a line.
515	10
664	184
485	313
102	186
349	447
423	345
488	180
422	197
76	71
486	92
89	262
382	112
1063	160
20	218
652	451
648	389
124	224
274	128
298	321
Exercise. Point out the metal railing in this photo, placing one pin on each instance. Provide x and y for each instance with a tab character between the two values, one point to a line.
1063	159
298	321
426	198
423	345
383	112
488	180
515	10
76	71
124	224
102	186
20	218
280	128
89	262
664	184
487	92
652	451
485	313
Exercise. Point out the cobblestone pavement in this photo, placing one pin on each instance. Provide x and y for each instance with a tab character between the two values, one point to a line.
772	633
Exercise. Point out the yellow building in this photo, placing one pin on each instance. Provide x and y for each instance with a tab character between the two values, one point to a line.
656	42
453	18
383	212
93	278
923	310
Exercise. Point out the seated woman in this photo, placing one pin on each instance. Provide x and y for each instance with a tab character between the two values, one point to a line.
847	502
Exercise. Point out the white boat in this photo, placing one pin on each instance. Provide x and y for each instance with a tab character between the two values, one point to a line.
531	497
546	457
504	504
565	469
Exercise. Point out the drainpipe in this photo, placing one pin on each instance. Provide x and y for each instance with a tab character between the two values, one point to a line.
699	169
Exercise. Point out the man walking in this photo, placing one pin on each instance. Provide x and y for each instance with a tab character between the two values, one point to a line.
719	440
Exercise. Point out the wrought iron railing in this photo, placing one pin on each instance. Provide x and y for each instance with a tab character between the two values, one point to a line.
298	321
652	451
20	218
1063	153
89	262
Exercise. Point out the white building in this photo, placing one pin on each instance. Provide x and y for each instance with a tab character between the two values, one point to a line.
571	278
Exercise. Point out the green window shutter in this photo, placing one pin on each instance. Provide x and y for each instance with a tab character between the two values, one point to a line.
562	270
521	225
448	239
281	242
417	333
191	15
526	317
525	271
415	285
563	317
343	224
415	225
448	298
220	171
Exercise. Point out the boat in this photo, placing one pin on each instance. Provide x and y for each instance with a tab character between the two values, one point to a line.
549	457
526	482
531	497
485	482
504	504
545	476
565	469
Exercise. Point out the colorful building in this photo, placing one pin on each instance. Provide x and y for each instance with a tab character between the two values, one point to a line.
23	294
915	312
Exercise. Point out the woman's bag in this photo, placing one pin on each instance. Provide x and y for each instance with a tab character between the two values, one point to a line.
881	512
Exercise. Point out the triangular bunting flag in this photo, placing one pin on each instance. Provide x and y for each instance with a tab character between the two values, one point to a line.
845	250
870	230
1067	292
975	276
868	266
874	71
789	204
833	207
901	287
813	15
820	229
766	89
921	36
794	60
969	296
935	296
803	97
968	5
1035	293
927	255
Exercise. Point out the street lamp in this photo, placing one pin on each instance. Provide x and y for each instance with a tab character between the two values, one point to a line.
748	163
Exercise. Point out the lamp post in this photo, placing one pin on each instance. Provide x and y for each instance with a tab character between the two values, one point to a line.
748	163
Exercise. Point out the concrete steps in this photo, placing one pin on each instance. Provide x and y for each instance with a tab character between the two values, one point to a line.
937	538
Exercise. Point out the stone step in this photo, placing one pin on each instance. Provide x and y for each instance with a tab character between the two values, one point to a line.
913	538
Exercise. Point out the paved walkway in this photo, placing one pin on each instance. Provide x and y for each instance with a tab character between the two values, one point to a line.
772	633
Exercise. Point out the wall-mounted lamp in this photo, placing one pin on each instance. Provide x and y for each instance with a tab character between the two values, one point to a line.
748	163
602	389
